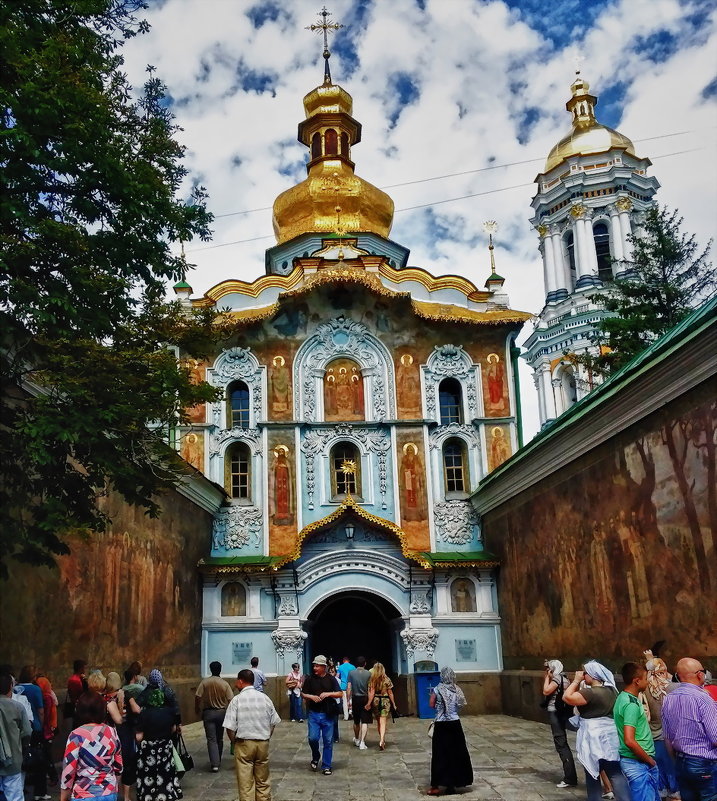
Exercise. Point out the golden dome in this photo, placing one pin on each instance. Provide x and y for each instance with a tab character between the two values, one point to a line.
587	134
329	131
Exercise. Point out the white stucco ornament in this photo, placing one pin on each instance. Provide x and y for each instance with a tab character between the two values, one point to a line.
455	521
419	640
289	640
234	526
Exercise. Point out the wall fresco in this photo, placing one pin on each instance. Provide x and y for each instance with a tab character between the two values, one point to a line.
618	552
495	386
412	486
282	492
343	391
192	448
408	383
498	445
197	373
280	403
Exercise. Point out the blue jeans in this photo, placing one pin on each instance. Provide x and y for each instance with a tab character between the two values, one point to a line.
666	764
13	787
295	710
321	725
697	778
619	783
644	779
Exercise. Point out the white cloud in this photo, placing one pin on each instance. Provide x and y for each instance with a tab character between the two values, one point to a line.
478	66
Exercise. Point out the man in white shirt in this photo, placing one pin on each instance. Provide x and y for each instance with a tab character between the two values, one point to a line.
250	722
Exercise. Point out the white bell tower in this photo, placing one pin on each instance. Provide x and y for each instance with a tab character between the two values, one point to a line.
591	196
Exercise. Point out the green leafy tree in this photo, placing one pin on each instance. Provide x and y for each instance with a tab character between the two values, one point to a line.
92	178
668	278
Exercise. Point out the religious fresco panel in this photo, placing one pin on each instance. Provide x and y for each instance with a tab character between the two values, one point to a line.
498	445
280	400
197	373
192	448
619	551
412	487
343	391
407	365
282	492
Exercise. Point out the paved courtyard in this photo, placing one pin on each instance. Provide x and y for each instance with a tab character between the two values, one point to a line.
513	760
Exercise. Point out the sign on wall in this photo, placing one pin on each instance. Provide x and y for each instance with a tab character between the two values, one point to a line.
466	651
241	653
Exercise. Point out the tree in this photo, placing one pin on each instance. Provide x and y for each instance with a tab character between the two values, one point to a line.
668	278
90	207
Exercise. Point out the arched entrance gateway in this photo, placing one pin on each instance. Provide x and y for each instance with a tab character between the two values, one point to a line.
355	623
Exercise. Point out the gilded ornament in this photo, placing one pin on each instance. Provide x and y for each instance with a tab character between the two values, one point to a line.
623	203
543	230
578	211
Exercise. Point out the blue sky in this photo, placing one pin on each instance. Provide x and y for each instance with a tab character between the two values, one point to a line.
440	87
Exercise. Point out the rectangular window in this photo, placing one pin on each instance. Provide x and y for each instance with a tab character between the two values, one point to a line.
240	409
240	475
454	470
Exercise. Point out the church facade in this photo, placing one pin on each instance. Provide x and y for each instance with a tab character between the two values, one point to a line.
363	400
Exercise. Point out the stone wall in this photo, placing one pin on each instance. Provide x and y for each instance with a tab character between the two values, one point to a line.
615	551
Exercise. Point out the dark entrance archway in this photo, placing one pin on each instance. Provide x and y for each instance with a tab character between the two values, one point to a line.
354	623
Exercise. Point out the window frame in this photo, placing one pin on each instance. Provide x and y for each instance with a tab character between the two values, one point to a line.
337	478
238	451
244	413
456	416
455	472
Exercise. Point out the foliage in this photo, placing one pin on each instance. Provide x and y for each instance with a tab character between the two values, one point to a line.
92	176
668	278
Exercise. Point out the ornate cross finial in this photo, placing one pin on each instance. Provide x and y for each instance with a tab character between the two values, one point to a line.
348	468
578	59
324	25
490	227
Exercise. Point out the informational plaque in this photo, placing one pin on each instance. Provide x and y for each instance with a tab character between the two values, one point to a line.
466	651
241	653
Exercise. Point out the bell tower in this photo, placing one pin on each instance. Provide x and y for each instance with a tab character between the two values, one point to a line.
591	198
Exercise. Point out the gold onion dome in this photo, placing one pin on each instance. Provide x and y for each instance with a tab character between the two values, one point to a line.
329	131
587	134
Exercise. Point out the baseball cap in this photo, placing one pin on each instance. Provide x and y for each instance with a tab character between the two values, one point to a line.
319	660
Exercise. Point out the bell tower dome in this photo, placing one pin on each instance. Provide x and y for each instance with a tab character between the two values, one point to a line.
591	199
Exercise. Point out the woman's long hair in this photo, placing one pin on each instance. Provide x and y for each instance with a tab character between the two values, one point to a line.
378	677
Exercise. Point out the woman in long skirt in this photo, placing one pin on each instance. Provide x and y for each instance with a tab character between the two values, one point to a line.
156	771
450	763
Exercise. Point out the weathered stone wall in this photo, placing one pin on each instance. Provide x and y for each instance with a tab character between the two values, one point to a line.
130	593
616	550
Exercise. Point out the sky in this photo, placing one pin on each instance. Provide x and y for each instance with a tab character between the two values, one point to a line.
440	87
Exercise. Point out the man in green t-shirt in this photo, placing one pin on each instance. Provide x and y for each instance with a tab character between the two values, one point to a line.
637	748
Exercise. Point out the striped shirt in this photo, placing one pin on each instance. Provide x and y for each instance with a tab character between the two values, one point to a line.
251	715
689	720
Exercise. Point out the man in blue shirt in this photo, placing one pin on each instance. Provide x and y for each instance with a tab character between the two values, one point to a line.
26	686
343	671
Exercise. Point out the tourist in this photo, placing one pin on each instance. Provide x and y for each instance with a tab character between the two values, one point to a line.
132	687
334	675
96	682
26	686
689	721
554	684
450	762
93	755
319	692
259	677
211	699
156	723
49	725
637	748
380	700
156	682
294	683
711	685
15	732
343	671
593	691
250	720
659	684
357	692
136	668
76	685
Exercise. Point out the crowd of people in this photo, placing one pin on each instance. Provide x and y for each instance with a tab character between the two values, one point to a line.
655	739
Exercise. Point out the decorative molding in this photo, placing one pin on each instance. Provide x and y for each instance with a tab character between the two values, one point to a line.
343	337
453	430
234	526
319	440
450	361
251	436
419	640
455	521
420	605
289	640
233	364
288	606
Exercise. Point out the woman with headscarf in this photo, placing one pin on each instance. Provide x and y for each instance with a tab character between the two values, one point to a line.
156	771
593	691
659	684
380	700
156	682
554	685
450	762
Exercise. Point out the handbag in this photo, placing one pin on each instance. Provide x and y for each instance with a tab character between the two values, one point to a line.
431	727
186	758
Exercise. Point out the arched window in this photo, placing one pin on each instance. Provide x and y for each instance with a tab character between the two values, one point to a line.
602	250
568	387
343	483
344	144
237	471
316	145
233	600
331	142
238	405
569	245
450	401
455	468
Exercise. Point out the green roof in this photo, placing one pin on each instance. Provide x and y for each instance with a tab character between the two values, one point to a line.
458	557
689	329
241	561
182	285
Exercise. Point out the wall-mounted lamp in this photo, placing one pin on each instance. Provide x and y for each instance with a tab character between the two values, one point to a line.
349	528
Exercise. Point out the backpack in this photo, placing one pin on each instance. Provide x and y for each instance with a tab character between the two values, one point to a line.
562	710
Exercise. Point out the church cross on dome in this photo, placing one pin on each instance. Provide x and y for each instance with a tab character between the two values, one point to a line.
324	26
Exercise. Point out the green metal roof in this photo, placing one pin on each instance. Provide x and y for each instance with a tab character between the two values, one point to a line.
182	285
241	561
436	558
692	327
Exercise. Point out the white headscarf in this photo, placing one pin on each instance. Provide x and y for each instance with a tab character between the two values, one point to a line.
601	673
556	667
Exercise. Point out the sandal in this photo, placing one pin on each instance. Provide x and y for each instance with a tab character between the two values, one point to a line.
433	791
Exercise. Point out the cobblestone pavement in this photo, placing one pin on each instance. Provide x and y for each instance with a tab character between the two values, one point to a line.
513	760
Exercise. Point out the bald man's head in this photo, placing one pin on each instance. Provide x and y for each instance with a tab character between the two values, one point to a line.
691	671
